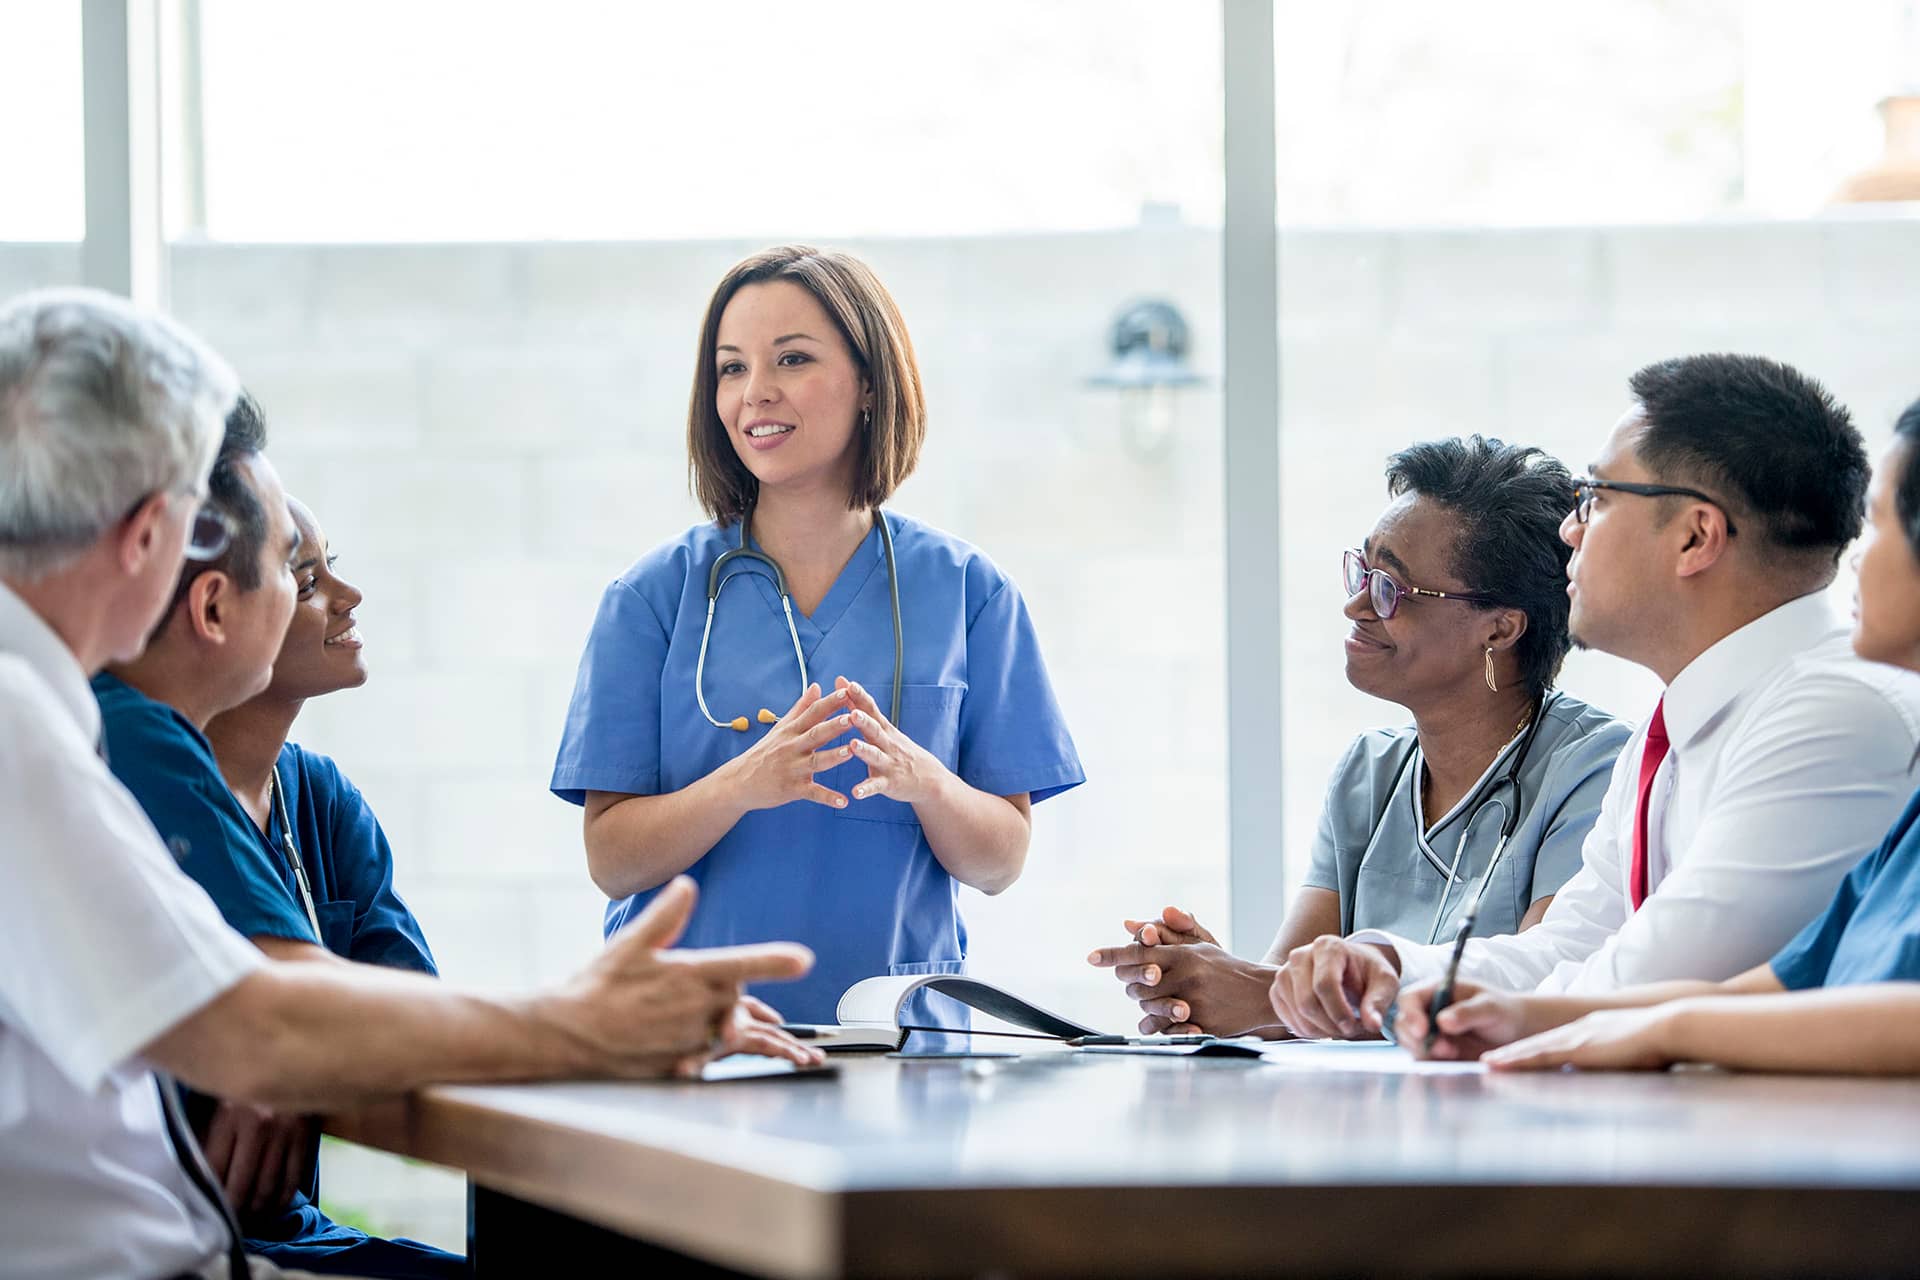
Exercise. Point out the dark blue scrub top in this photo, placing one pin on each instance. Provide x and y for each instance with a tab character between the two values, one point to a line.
1870	932
170	768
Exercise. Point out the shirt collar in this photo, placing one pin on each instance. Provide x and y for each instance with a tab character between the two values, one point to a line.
1732	664
26	634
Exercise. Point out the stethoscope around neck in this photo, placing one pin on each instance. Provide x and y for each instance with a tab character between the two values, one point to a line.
1510	780
291	852
717	583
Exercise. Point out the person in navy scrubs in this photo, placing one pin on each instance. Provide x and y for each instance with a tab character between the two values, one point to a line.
1844	995
750	739
278	837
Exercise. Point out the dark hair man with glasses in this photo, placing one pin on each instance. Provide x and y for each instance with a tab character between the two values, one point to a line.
1703	541
215	645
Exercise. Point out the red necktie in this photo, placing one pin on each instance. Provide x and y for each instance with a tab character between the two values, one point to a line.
1650	758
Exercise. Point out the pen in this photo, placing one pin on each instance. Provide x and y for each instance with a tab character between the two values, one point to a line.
1443	995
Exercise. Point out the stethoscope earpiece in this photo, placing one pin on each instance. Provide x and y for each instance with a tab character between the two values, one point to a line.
766	717
738	724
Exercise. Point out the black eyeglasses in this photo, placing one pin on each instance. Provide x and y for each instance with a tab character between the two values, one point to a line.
1384	591
1585	487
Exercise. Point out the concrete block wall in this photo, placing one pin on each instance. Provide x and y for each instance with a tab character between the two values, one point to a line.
491	432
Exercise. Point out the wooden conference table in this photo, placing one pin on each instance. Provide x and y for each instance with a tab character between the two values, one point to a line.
1338	1161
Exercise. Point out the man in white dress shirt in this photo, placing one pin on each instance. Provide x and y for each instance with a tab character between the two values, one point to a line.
113	964
1704	543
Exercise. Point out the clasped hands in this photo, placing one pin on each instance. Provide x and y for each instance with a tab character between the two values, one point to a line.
781	766
1186	983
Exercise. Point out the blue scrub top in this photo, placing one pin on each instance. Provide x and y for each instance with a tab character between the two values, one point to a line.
1870	932
859	885
170	768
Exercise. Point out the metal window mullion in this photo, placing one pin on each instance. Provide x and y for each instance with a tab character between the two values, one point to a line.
1250	314
124	249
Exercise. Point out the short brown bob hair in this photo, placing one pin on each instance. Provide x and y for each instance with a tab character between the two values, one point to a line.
870	325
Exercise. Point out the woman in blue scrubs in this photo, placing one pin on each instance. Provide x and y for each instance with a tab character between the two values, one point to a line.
751	739
348	868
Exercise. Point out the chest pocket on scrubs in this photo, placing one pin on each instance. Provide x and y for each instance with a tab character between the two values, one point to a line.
930	715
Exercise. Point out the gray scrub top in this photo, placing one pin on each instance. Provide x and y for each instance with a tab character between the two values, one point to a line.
1373	847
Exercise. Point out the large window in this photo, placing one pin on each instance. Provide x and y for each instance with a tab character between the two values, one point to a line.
584	121
43	194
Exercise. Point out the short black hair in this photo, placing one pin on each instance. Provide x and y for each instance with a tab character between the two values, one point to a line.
1510	500
229	493
1906	497
1763	437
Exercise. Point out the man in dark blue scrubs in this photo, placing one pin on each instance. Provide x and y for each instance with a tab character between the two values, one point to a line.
294	858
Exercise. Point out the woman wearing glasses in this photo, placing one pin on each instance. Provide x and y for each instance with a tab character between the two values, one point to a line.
1458	611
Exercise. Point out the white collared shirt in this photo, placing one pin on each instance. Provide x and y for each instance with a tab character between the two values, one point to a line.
104	945
1789	761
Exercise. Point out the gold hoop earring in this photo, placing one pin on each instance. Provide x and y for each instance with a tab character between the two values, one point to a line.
1491	685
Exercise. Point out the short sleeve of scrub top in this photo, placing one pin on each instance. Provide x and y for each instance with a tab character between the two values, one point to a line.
859	885
612	739
1870	931
349	865
1013	739
167	764
1323	870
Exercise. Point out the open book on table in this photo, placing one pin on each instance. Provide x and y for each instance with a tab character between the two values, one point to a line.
869	1019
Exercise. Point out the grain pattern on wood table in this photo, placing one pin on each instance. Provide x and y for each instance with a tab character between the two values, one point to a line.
1071	1164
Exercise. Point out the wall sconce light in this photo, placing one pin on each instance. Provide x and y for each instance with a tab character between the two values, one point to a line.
1148	343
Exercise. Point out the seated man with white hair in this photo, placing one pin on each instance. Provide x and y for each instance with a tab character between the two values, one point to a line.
114	966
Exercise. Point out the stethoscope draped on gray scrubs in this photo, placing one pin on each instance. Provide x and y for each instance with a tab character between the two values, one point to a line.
716	583
1510	807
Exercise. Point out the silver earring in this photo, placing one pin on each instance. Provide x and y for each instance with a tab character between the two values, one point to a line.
1493	687
866	417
